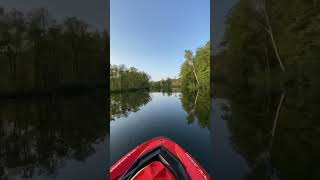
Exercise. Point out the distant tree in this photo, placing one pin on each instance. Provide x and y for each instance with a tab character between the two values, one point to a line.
39	53
124	79
195	70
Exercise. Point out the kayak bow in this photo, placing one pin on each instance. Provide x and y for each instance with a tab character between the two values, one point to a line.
158	158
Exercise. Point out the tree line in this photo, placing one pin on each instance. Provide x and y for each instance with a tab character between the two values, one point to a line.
128	79
268	67
165	85
194	75
39	53
271	39
195	70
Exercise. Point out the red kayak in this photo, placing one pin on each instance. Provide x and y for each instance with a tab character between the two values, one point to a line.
159	158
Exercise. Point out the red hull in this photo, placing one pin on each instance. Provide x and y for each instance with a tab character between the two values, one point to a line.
192	167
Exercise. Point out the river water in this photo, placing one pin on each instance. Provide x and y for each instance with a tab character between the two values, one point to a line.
138	117
59	137
266	134
66	137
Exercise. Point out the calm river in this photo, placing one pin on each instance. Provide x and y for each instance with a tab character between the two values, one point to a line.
138	117
61	137
261	134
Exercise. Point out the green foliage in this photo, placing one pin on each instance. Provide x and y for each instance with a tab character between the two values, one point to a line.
187	77
156	86
195	70
248	51
202	66
127	79
39	54
121	104
197	106
248	71
195	79
165	85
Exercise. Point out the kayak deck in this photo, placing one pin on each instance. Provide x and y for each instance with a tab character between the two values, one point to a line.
158	157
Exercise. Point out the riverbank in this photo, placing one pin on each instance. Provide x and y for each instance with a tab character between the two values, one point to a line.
130	90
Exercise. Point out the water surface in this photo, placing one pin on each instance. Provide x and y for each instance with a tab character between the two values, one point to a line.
138	117
266	135
58	137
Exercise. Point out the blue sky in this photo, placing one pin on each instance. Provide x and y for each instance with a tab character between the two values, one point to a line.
152	35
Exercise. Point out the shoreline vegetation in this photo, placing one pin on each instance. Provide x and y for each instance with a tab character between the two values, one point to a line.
267	69
123	79
130	88
265	48
194	76
41	56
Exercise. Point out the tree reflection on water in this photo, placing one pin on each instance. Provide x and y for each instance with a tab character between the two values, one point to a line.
268	69
38	136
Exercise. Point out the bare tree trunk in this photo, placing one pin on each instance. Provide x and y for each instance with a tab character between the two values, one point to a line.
277	114
269	30
195	101
275	125
194	72
193	107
